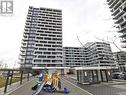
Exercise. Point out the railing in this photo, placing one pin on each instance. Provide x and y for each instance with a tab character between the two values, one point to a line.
9	75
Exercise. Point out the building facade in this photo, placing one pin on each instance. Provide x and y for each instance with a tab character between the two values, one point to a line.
118	9
42	38
74	56
120	59
92	54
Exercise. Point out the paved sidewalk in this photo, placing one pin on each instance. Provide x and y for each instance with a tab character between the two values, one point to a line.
13	86
24	89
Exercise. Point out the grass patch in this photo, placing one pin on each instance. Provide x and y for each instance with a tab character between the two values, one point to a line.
3	81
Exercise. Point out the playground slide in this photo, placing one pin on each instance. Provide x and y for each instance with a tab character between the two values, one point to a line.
39	89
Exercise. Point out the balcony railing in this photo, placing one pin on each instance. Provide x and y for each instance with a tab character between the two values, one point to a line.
114	2
122	30
119	20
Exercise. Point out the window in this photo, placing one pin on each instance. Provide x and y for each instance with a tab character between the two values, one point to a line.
47	53
39	45
39	37
43	41
47	38
37	52
42	48
51	49
46	60
50	56
36	60
40	56
47	45
51	42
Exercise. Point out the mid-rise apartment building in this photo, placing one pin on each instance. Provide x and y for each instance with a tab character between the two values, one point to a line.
118	9
74	56
99	54
120	59
92	54
42	38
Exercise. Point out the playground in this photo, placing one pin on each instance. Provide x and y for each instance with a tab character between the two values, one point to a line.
73	89
44	83
50	83
26	89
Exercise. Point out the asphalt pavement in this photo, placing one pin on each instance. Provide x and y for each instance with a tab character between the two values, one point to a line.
103	88
76	89
25	89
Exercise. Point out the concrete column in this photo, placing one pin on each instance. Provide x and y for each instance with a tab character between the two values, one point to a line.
106	75
62	71
28	76
82	77
21	77
99	75
92	75
78	75
11	77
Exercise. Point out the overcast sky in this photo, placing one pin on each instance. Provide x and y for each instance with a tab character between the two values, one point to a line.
87	19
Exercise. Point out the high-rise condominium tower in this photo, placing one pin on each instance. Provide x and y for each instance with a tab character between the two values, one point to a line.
42	38
118	9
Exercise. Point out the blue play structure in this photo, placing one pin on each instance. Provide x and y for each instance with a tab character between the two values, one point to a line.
49	89
41	78
52	87
66	91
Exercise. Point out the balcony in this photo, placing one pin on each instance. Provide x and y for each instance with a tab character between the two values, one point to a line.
120	20
123	40
119	14
115	12
123	24
118	4
110	2
114	2
124	7
122	30
123	46
123	35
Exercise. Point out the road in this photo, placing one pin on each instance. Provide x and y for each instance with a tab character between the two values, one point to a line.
102	89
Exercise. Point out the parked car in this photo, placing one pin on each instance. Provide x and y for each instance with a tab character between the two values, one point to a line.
119	75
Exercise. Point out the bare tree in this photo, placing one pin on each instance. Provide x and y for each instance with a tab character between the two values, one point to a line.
80	41
1	64
112	41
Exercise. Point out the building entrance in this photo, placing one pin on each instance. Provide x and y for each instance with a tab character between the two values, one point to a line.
94	75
